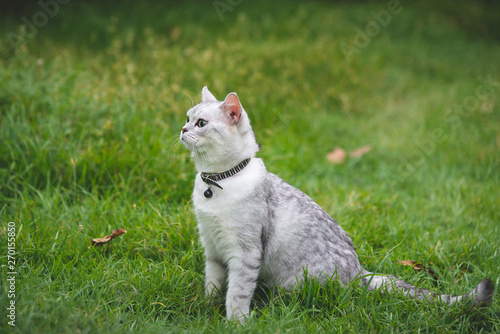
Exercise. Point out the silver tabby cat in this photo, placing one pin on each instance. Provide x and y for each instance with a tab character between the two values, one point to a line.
253	225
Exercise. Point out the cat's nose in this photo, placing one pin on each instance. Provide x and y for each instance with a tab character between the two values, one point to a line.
184	130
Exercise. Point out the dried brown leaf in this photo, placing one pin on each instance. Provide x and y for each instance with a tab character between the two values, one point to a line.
360	152
337	156
101	241
417	266
410	263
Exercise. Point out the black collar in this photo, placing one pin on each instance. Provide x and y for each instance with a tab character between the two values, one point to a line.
212	178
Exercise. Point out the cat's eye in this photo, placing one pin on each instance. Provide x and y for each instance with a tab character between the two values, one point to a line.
201	123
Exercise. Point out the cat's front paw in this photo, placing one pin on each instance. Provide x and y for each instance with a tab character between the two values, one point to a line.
237	315
212	290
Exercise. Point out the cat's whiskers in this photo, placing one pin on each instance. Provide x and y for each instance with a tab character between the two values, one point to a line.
199	151
175	144
192	101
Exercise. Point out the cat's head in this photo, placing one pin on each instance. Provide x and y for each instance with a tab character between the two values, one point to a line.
218	133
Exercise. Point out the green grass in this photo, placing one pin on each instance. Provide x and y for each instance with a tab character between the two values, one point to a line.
91	107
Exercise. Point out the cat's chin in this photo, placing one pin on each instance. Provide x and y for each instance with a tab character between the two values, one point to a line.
206	163
188	143
190	147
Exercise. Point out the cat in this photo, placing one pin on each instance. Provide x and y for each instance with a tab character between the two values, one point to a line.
253	225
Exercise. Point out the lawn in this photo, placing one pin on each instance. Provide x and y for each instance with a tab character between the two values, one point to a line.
93	96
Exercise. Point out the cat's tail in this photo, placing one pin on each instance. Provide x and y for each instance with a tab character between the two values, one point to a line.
481	295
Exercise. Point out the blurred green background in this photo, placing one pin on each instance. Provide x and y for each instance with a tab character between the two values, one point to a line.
93	95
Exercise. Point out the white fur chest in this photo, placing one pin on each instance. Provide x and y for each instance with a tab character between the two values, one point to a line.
220	219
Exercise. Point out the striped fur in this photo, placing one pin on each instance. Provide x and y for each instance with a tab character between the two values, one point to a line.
257	226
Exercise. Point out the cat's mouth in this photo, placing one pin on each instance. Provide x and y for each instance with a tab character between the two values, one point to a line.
189	141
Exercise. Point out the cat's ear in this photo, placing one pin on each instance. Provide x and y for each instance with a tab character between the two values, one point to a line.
206	96
232	107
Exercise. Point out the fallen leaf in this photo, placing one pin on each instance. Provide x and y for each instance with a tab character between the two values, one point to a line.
337	156
101	241
419	267
360	152
411	263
